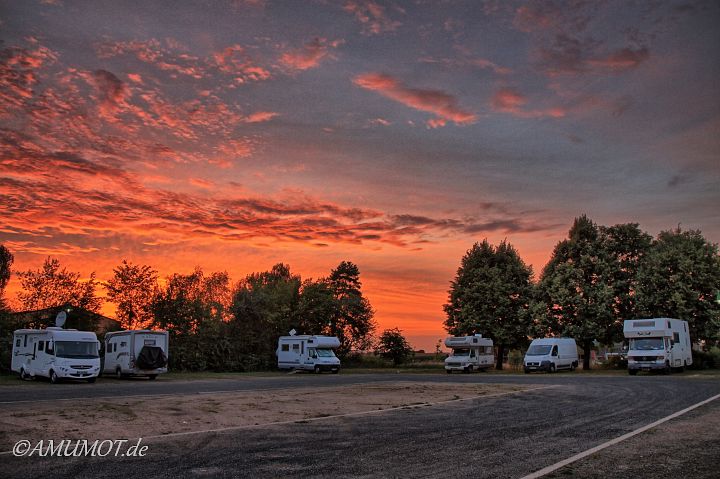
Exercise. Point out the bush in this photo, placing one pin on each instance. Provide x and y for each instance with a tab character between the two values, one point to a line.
706	359
615	362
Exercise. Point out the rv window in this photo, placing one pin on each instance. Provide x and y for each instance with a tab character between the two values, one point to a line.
285	347
49	348
296	347
676	337
555	351
25	342
17	343
311	353
472	353
123	344
325	353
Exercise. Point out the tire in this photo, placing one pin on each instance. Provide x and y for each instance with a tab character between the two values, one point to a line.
152	377
54	377
118	373
92	380
23	375
551	369
632	372
527	371
470	368
317	370
448	371
335	371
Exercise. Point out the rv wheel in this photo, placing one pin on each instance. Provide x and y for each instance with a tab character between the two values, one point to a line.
152	377
118	373
317	369
23	375
551	369
470	368
54	377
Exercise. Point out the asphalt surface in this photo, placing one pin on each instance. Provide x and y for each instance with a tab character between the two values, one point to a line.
506	436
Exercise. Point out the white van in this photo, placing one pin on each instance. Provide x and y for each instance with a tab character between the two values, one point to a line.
551	354
136	353
469	353
56	353
657	344
308	353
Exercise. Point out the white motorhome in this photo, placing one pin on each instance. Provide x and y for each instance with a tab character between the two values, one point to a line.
56	353
657	344
551	354
309	353
469	353
136	353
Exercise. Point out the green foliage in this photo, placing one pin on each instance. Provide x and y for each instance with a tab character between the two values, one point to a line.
393	345
6	261
352	320
709	359
264	308
133	289
679	279
576	291
51	286
490	295
515	359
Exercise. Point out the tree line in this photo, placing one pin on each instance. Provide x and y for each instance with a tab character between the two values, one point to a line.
596	278
213	324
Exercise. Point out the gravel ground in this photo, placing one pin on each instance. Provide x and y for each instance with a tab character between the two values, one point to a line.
684	447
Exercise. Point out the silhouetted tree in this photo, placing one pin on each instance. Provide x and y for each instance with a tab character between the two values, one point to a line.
393	345
680	278
490	295
6	261
51	286
352	321
133	289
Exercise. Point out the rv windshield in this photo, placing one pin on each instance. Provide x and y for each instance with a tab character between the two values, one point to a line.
647	344
539	350
325	353
461	352
76	349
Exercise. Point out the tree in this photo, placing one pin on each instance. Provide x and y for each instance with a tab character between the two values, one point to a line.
133	289
352	321
626	247
575	288
6	261
680	279
263	309
316	307
490	295
51	286
393	345
191	303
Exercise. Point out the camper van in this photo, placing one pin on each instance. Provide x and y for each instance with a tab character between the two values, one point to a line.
657	344
136	353
56	353
469	353
308	353
551	354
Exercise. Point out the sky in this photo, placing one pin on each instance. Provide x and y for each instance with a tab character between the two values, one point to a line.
237	135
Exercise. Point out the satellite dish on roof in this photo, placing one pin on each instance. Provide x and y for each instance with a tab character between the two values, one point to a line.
60	319
293	332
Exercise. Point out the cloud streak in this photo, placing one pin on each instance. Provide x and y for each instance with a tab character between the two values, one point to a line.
443	105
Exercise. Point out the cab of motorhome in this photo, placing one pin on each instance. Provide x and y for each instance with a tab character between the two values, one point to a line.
469	353
550	355
308	353
657	344
56	353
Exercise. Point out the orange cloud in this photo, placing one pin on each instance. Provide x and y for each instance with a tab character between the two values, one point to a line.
443	105
260	116
508	100
310	55
622	59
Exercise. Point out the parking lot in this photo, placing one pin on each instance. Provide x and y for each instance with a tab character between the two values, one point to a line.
376	425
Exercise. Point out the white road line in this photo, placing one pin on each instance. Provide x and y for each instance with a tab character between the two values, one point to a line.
612	442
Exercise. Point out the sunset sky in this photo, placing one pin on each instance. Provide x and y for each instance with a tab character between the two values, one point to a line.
237	135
